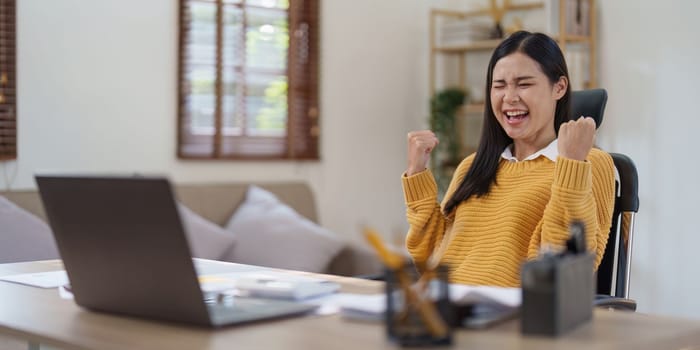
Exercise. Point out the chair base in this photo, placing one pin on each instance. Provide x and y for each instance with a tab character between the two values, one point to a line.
610	302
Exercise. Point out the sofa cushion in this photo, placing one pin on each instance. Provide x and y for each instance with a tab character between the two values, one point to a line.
207	240
23	236
270	233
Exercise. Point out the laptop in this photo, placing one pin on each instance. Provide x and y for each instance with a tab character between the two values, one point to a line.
125	251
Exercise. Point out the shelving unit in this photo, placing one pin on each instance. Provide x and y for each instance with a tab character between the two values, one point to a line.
556	12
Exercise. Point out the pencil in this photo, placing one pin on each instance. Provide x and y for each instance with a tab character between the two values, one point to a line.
436	325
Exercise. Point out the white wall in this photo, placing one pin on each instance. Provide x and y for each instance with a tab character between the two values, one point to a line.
97	92
649	66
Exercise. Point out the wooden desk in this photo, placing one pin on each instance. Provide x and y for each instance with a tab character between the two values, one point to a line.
41	316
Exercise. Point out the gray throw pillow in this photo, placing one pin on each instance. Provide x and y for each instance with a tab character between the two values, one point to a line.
23	236
270	233
207	240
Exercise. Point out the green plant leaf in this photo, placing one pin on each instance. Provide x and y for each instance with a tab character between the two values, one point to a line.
443	109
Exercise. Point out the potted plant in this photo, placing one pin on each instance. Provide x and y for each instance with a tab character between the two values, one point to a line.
443	110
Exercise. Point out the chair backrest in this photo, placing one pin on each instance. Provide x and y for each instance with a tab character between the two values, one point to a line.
614	270
589	103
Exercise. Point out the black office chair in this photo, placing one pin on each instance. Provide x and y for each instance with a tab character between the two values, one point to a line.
614	271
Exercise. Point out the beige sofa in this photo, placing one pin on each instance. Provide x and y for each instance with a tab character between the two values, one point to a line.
217	202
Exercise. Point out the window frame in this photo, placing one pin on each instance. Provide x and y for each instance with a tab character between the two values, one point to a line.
8	80
301	139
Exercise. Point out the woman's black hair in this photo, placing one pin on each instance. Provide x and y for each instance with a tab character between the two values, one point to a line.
482	173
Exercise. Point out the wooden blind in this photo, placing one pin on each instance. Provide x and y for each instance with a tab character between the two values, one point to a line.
8	95
248	79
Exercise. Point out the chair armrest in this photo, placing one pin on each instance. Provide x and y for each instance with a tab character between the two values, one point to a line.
610	302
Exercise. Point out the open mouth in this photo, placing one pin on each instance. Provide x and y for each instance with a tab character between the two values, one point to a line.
515	116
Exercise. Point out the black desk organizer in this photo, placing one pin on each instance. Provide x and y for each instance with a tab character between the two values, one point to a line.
558	290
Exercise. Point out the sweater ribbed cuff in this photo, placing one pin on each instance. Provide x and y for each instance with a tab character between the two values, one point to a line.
419	186
573	174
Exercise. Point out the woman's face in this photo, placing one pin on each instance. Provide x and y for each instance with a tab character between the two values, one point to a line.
524	100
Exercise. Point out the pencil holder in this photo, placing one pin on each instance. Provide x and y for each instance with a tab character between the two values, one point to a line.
418	311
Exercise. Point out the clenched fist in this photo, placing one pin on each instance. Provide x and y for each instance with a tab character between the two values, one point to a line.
420	144
576	138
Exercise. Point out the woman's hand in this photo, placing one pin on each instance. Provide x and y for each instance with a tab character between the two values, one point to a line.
576	138
420	144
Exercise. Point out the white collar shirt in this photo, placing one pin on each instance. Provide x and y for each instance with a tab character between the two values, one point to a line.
551	151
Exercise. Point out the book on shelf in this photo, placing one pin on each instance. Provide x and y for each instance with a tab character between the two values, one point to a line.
577	60
462	32
577	16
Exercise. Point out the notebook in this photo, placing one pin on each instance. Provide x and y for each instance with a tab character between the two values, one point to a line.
125	251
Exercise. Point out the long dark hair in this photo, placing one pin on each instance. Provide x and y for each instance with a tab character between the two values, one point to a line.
482	173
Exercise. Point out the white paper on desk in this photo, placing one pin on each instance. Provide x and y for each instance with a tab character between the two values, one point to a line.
466	295
50	279
485	299
269	284
65	292
364	307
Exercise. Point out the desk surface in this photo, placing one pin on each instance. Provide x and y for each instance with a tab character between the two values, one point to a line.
40	315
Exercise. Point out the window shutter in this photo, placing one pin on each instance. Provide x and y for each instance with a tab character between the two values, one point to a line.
303	128
8	95
248	79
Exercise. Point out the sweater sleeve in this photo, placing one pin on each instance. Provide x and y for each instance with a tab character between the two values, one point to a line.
581	190
427	224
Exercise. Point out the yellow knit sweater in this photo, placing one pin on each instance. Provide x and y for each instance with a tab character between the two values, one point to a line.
530	206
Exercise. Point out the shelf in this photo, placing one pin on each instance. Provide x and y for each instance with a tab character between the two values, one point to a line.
485	45
570	38
481	45
485	11
473	108
456	59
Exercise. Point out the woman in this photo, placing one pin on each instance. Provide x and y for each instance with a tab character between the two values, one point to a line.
533	173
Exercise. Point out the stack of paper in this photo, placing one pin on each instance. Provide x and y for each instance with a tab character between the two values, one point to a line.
485	295
269	284
51	279
361	307
488	303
